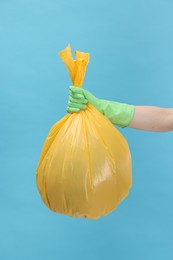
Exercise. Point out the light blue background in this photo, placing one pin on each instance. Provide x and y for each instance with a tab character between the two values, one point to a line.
131	47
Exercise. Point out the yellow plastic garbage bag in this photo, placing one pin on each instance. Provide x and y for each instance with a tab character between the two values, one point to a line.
85	164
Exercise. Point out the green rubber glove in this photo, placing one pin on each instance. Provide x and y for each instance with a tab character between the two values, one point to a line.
118	113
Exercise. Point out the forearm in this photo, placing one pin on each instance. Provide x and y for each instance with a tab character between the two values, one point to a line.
152	118
149	118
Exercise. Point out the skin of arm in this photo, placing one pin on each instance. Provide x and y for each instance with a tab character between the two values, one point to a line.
152	118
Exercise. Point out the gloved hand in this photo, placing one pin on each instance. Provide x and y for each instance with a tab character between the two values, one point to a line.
118	113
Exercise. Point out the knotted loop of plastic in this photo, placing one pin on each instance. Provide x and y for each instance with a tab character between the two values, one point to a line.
85	164
76	68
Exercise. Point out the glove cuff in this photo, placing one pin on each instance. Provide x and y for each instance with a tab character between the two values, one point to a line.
118	113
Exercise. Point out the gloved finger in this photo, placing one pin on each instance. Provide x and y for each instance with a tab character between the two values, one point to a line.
77	95
72	109
76	89
78	100
77	105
